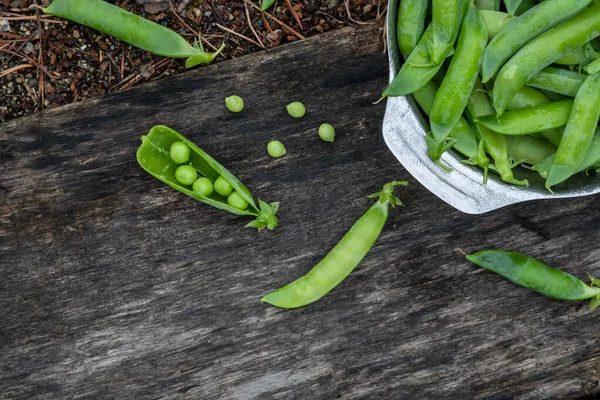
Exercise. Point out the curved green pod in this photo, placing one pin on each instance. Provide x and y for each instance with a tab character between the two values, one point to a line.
578	134
530	120
153	156
411	24
533	274
543	51
520	30
131	28
557	80
446	20
454	92
342	259
416	71
528	97
591	159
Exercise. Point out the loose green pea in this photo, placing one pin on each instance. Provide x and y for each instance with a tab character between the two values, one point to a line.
180	152
234	103
296	109
204	186
222	186
327	132
186	174
237	201
276	149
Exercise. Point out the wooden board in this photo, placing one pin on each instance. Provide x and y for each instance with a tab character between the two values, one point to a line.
112	285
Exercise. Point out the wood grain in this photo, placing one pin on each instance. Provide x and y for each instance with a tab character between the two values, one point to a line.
112	285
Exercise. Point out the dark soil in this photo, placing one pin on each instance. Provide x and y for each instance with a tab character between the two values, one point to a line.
46	62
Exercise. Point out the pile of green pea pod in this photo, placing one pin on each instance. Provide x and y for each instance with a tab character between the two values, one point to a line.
505	84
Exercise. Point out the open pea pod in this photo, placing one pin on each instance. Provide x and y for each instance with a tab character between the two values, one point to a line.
153	156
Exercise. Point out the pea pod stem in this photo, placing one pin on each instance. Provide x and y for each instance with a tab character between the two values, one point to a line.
535	275
342	259
131	28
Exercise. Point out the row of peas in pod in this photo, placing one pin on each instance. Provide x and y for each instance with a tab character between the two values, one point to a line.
173	159
187	175
505	83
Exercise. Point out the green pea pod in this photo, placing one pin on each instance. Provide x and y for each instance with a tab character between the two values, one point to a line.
464	138
557	80
593	67
342	259
495	21
266	4
130	28
495	143
525	6
446	19
578	134
533	274
530	120
153	156
454	92
574	57
411	24
487	5
416	71
591	159
543	51
512	5
528	97
528	149
522	29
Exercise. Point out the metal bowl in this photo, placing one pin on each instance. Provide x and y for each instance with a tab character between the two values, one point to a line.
404	128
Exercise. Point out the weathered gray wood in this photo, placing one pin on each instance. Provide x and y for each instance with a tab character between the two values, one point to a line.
112	285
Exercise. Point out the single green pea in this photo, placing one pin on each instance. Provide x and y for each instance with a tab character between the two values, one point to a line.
186	174
237	201
180	152
222	186
204	186
276	149
296	109
327	132
234	103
